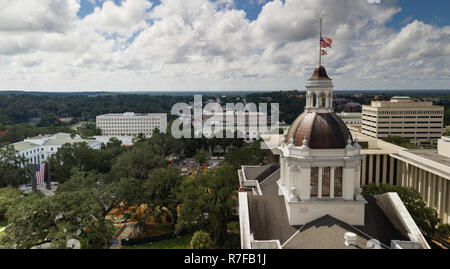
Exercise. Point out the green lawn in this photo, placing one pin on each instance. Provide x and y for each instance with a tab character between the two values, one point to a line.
175	243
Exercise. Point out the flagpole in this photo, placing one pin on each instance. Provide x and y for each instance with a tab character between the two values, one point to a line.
320	49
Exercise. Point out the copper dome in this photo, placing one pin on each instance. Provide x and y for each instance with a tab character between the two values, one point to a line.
321	130
320	73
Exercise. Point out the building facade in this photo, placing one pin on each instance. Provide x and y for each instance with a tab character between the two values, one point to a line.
320	162
128	124
353	119
419	121
38	149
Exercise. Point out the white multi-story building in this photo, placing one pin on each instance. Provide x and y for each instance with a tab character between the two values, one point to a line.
419	121
38	149
351	118
131	124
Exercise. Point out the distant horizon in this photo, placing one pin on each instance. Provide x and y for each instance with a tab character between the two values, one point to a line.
433	91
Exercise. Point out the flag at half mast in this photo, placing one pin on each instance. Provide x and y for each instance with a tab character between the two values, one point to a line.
325	42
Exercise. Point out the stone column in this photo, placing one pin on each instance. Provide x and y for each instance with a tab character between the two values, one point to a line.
282	170
363	172
433	191
377	170
443	211
384	176
401	170
428	188
447	207
370	169
319	185
419	181
440	194
287	173
332	182
391	171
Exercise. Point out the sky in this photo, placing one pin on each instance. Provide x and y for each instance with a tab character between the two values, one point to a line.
195	45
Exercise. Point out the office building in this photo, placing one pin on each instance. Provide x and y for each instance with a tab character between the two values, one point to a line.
129	124
419	121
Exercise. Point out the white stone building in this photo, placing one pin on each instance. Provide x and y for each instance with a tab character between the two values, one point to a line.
38	149
129	124
419	121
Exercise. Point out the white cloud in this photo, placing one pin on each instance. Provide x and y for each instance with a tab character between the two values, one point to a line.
125	19
198	45
32	16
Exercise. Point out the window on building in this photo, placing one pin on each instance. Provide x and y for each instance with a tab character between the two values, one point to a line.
326	181
338	182
314	181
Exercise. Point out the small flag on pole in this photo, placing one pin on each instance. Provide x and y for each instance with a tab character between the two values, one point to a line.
324	52
325	42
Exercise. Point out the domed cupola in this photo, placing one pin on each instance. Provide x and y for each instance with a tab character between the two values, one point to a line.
318	124
321	130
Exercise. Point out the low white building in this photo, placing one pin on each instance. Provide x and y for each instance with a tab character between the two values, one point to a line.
104	139
38	149
129	124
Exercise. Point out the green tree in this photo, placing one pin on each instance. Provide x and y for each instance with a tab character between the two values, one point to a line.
249	154
447	131
201	240
400	141
201	157
139	138
162	190
48	120
137	162
14	168
211	194
166	143
106	196
36	218
77	156
8	196
109	153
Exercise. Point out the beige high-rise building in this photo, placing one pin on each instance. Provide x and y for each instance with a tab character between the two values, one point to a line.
419	121
131	123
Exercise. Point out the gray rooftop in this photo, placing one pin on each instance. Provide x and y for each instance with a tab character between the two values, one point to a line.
269	221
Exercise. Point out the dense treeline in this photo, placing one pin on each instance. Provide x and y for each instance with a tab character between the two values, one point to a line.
21	108
92	182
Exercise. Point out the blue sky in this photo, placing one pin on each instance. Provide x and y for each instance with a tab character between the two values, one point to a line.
435	12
